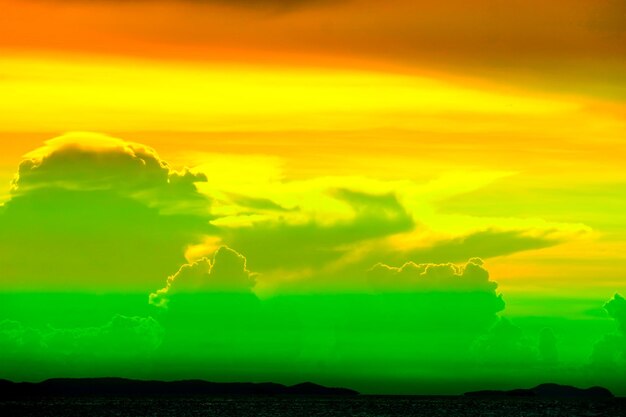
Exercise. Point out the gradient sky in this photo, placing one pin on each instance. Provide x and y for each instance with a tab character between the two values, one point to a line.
332	185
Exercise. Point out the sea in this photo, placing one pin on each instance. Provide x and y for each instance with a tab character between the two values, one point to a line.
292	406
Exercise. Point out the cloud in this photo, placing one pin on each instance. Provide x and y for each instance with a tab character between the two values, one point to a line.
471	276
317	333
257	204
442	293
226	272
616	307
92	212
95	162
338	226
287	243
121	338
447	295
486	244
123	345
505	344
609	353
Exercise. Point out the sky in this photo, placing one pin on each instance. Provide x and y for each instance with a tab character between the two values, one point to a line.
398	197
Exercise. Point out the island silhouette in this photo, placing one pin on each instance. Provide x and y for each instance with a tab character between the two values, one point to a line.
549	390
76	387
69	387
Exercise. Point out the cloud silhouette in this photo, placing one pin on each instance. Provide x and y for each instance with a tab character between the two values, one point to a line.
122	338
609	353
616	307
94	162
471	276
486	244
315	332
505	344
226	272
89	211
279	243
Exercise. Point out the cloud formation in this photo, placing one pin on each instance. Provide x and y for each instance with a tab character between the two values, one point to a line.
122	338
471	276
616	307
487	244
93	212
293	243
609	353
505	344
95	162
226	272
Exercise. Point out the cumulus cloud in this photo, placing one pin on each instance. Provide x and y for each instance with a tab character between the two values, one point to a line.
423	325
90	211
471	276
95	162
226	272
506	344
609	353
122	337
616	307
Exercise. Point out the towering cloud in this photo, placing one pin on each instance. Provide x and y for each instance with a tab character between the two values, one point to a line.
505	344
93	212
609	353
94	162
226	272
616	307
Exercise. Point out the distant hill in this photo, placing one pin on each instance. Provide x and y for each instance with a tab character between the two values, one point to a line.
130	387
546	391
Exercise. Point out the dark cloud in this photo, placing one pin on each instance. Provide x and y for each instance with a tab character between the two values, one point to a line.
424	317
609	353
226	272
257	204
278	244
87	350
616	307
484	244
506	344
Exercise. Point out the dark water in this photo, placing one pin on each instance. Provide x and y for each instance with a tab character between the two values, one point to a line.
366	406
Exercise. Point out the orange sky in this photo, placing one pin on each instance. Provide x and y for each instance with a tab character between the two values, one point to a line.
563	44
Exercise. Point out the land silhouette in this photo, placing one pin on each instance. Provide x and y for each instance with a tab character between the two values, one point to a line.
546	391
70	387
